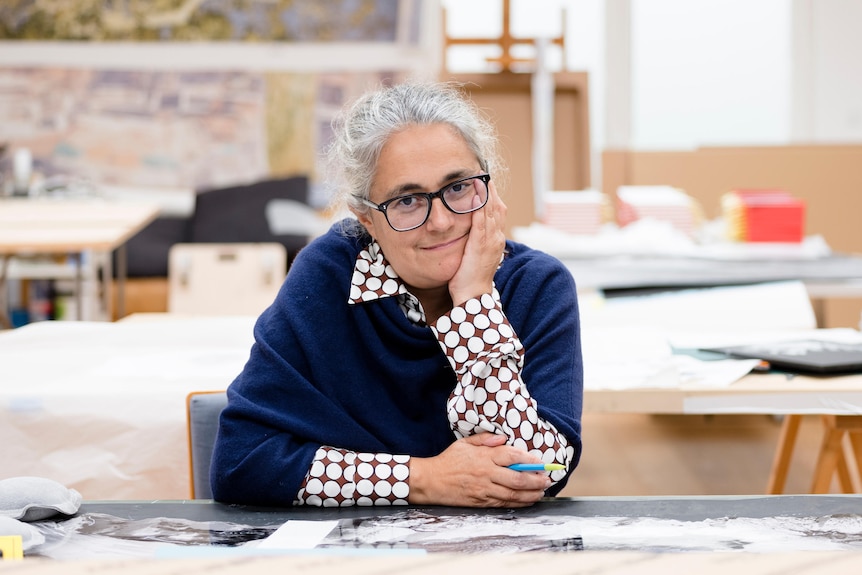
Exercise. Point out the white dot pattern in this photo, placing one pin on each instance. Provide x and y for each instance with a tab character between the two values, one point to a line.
340	478
373	278
487	357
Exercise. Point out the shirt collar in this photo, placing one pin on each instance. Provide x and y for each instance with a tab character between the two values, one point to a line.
373	277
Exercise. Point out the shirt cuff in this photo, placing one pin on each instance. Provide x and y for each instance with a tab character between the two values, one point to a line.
342	478
475	330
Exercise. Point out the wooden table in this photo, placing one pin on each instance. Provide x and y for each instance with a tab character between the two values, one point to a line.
837	399
71	227
101	406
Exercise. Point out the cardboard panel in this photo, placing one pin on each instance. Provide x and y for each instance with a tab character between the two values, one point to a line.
828	178
840	312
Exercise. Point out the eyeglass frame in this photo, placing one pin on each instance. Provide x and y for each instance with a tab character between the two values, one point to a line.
382	206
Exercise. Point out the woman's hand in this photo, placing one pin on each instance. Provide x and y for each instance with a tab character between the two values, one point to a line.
483	252
473	472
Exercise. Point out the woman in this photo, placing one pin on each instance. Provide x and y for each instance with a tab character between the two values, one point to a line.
413	353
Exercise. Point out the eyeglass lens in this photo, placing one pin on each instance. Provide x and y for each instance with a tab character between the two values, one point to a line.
412	210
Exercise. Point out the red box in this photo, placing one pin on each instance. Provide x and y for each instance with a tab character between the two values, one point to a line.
765	216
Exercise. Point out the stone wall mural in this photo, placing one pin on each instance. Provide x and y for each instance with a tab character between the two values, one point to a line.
184	129
156	123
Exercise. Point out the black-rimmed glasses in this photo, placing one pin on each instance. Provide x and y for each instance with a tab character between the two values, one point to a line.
410	211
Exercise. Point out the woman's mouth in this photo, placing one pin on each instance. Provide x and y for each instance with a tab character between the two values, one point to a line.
445	245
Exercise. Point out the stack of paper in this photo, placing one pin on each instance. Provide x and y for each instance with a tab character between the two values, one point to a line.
576	212
663	203
763	216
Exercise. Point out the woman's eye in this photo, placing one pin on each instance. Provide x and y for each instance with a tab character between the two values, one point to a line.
406	202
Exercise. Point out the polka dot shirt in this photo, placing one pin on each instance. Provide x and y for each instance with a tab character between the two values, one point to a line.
487	357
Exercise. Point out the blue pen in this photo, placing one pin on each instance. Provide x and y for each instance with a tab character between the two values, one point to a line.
537	467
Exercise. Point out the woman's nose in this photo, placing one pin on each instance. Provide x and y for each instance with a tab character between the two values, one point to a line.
440	216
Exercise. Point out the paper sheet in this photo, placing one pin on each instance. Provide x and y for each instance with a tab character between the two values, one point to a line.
640	358
298	535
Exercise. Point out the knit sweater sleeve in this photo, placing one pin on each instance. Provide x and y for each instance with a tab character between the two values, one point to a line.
490	396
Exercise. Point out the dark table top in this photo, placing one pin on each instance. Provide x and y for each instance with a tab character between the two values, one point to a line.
679	508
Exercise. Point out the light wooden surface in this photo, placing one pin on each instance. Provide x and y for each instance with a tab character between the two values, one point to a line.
770	393
41	226
227	561
72	226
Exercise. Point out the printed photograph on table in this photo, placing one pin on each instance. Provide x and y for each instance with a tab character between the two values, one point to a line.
420	531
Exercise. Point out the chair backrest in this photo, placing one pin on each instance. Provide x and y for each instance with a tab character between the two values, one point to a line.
224	279
202	411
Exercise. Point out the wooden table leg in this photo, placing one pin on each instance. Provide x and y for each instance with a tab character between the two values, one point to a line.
830	454
851	425
843	471
855	437
783	454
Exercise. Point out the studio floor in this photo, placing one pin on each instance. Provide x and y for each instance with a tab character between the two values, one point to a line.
689	455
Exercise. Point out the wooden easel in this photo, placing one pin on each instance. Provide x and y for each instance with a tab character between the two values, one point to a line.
506	41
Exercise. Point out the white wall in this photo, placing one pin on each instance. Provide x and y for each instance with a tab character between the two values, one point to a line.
710	72
725	72
677	74
837	70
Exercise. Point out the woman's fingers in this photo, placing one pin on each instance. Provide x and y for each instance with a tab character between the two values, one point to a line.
473	472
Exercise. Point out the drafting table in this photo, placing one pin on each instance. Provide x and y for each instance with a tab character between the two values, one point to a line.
71	227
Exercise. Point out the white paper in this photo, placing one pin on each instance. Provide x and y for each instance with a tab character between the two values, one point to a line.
716	374
298	535
624	358
756	308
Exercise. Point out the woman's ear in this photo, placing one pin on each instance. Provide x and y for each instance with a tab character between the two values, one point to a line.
366	220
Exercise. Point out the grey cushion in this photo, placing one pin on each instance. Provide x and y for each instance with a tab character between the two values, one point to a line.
35	498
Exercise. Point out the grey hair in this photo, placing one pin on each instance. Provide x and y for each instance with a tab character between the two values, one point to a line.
362	129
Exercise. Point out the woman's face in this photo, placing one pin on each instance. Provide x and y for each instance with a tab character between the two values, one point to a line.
422	159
